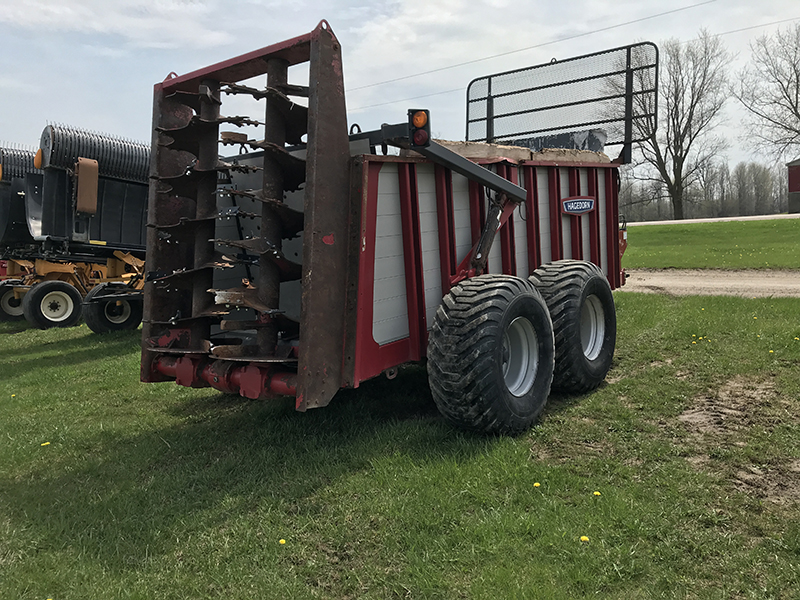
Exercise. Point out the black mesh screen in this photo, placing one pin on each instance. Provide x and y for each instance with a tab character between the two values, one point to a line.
613	91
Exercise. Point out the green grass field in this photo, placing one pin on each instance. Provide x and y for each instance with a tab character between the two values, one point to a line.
682	471
110	488
770	244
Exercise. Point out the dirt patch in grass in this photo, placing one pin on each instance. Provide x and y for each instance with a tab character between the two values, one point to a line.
747	283
778	485
722	420
734	407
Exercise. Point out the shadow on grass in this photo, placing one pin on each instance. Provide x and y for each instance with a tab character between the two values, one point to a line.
68	352
146	490
11	327
558	402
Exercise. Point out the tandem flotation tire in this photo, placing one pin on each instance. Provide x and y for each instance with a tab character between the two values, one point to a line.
10	306
584	322
490	354
115	314
52	304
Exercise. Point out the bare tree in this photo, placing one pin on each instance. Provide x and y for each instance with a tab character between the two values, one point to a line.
769	88
693	92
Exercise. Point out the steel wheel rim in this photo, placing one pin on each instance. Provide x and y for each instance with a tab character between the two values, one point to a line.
520	356
593	327
6	299
117	313
57	306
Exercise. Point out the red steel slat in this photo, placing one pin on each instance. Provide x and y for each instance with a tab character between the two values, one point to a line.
507	231
412	254
532	218
612	226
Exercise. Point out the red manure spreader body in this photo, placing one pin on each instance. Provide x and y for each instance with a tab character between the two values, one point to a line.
310	262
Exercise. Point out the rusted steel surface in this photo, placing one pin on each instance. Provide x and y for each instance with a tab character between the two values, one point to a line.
251	64
193	332
269	279
325	247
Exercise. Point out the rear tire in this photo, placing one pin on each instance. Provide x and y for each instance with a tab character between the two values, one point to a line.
584	322
52	304
490	354
10	307
116	314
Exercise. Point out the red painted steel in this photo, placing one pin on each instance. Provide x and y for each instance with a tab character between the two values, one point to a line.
612	227
532	218
294	51
412	254
247	380
594	219
372	359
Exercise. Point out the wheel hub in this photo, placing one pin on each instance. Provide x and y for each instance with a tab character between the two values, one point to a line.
57	306
520	356
593	327
11	305
118	312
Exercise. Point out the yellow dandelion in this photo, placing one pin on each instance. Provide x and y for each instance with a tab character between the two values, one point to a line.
702	309
755	317
797	338
281	541
14	395
693	335
772	351
537	484
584	538
700	338
694	342
597	493
46	444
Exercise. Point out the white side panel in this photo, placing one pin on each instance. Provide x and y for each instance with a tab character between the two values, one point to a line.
461	220
429	234
566	230
583	177
521	234
495	262
390	307
544	214
586	240
601	201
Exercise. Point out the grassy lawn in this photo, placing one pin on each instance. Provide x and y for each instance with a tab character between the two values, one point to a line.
114	489
771	244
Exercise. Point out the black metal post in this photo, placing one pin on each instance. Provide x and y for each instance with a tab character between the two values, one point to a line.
269	281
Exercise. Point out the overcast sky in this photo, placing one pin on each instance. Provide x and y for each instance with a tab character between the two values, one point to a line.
92	63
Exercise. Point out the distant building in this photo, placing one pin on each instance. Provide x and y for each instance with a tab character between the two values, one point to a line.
794	186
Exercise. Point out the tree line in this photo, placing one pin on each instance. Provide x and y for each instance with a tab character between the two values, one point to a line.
678	169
